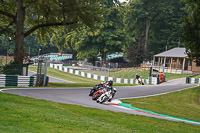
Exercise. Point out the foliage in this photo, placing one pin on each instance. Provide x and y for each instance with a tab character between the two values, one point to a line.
21	18
29	42
191	34
108	38
155	23
6	45
58	39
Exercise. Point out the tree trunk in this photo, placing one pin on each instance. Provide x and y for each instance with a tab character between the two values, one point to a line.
146	36
19	36
103	61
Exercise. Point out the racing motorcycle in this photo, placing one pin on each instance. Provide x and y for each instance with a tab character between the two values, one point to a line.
95	89
107	96
98	93
139	79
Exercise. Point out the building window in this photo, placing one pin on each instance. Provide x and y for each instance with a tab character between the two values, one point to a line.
181	61
156	59
198	63
190	62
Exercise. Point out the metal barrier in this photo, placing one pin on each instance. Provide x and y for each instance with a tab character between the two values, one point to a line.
15	80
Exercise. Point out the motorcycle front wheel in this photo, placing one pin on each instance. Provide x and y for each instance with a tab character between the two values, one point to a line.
103	99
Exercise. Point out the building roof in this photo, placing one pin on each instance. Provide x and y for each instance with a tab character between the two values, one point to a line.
175	52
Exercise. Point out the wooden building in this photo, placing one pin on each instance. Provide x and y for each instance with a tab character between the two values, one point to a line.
175	61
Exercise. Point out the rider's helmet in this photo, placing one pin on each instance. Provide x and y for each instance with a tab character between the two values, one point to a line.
111	83
137	76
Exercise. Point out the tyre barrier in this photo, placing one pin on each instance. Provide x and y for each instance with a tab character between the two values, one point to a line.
190	80
150	80
15	80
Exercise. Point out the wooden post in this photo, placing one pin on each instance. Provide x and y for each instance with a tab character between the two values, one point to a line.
171	65
161	60
183	65
177	63
164	62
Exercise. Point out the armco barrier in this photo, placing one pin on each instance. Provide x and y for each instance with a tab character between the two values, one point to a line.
15	80
151	80
190	80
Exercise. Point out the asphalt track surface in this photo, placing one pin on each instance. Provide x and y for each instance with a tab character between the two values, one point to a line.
79	96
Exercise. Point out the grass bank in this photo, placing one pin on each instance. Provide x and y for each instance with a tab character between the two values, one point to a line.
66	76
182	104
128	73
78	80
23	114
197	76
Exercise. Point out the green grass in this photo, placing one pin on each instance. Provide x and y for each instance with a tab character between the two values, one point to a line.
66	76
23	114
130	73
182	104
78	80
123	73
170	76
198	76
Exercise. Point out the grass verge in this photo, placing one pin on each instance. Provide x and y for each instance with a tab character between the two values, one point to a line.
66	76
182	104
123	73
23	114
130	74
198	76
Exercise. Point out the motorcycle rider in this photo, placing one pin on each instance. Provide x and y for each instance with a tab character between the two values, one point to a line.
109	87
161	75
139	79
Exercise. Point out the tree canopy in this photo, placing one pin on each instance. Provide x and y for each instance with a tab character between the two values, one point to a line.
151	26
108	38
21	18
88	28
191	34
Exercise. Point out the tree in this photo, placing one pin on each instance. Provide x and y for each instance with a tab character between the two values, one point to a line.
191	33
108	38
58	39
21	18
152	25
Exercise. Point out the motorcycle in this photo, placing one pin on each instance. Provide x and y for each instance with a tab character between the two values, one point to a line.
107	96
98	93
95	89
139	79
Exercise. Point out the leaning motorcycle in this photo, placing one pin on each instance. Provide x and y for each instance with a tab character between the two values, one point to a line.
95	89
107	96
98	93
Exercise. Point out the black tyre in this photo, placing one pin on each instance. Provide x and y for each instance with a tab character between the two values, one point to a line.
103	99
95	97
91	92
